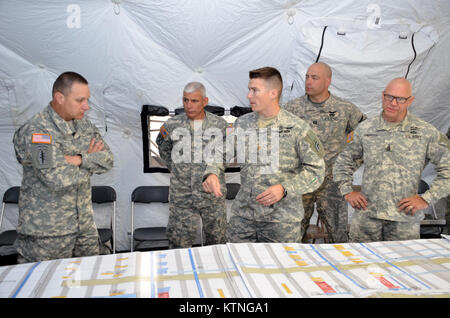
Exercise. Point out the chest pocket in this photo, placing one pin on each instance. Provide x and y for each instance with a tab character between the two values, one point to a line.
212	146
80	142
410	149
375	145
328	124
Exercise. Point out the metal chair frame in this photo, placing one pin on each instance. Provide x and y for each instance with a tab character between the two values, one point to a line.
102	195
148	194
11	196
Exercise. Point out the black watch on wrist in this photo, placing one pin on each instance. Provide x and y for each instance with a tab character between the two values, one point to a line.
285	193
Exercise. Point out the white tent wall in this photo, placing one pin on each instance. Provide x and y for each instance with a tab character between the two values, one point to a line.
144	52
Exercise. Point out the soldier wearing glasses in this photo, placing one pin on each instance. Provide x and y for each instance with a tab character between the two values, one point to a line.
395	147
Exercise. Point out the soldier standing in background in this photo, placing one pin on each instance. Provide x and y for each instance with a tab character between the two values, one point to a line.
59	149
395	147
186	164
268	206
332	119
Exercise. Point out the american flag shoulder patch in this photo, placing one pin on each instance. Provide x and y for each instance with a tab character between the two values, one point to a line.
41	139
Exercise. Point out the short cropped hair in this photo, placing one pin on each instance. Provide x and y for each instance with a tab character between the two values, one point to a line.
64	82
271	75
194	87
327	69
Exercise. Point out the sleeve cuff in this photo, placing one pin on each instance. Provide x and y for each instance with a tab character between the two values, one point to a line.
345	189
210	170
427	196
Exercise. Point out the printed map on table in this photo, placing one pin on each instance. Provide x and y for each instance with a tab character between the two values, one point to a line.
381	269
203	272
115	275
417	267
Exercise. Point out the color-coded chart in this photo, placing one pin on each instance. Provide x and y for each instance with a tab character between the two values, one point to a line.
97	276
379	269
419	268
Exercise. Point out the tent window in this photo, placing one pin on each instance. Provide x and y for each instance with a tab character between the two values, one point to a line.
152	117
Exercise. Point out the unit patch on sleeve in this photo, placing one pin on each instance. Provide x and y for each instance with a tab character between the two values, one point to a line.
350	137
315	143
42	156
163	131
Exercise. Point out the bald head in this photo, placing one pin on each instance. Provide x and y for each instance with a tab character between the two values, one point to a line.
323	67
317	81
400	83
397	97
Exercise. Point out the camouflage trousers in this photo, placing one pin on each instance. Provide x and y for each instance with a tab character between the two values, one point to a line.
241	230
184	224
367	229
36	249
331	208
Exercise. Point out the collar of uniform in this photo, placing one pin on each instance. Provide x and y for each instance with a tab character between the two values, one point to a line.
204	120
402	126
267	122
59	121
326	104
274	122
63	126
81	125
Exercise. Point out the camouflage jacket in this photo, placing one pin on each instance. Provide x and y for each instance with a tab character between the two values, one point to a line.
185	153
55	197
331	122
297	165
394	157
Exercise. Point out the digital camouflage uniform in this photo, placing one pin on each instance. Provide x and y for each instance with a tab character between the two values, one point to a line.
55	208
301	170
187	199
332	121
395	155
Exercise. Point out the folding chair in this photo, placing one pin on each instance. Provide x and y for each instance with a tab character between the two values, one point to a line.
430	221
317	231
11	196
101	195
149	237
232	190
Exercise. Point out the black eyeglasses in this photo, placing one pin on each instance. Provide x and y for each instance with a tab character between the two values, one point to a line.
399	100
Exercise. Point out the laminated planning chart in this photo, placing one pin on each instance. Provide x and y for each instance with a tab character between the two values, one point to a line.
418	268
